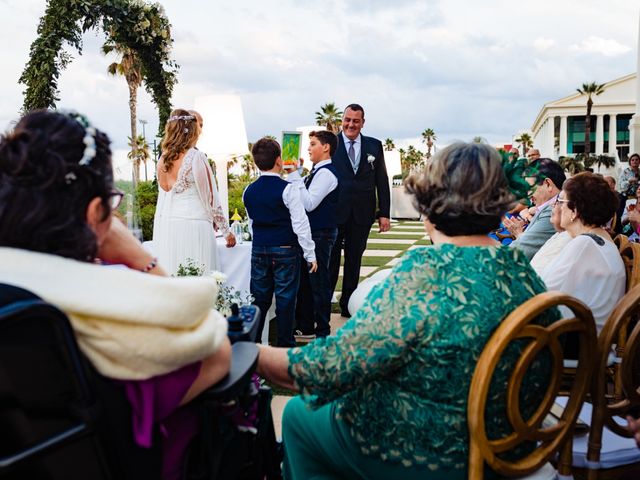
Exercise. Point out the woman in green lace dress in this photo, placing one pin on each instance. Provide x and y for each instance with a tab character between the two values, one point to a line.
385	397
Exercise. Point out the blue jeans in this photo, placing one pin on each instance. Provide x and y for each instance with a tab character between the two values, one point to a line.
276	270
314	295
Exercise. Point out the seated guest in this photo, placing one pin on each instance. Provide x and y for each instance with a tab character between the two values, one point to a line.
552	247
548	183
158	336
629	178
388	391
630	220
589	267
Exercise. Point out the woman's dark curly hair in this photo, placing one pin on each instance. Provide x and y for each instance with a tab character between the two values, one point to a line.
591	197
463	191
44	191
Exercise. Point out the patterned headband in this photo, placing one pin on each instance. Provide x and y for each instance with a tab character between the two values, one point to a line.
175	118
89	141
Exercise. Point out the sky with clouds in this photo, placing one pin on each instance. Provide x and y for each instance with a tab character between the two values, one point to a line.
463	68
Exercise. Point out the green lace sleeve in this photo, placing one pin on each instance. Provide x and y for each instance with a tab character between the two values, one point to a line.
377	340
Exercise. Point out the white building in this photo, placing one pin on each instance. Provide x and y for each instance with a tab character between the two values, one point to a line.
558	130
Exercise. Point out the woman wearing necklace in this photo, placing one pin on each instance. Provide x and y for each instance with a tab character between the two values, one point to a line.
589	267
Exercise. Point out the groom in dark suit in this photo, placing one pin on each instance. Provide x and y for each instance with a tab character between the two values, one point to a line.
362	176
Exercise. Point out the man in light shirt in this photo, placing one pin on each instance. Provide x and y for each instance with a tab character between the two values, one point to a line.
548	184
319	195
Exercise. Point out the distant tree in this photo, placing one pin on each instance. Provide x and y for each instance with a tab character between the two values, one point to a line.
248	166
330	117
389	145
232	162
590	90
428	137
479	139
130	67
140	153
414	158
572	165
525	142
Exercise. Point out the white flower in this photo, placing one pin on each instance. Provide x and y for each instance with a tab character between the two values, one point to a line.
246	236
371	159
219	277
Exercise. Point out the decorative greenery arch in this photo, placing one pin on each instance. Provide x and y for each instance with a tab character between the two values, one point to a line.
134	24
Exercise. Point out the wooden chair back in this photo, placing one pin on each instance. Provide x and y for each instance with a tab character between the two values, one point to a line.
630	253
621	241
624	396
520	324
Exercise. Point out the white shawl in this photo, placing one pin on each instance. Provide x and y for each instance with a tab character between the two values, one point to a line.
129	324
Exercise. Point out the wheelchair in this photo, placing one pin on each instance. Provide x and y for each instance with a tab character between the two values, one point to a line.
61	419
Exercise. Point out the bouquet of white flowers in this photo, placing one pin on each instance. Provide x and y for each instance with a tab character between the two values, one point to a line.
227	294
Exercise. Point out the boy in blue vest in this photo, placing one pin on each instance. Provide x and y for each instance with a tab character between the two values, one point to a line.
319	194
280	228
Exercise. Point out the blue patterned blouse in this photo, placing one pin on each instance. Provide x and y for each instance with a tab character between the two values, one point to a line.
399	370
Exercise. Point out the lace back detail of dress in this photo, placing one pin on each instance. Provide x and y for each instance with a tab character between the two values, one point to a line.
185	178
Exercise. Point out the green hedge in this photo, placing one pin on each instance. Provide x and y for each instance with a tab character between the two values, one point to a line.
147	196
236	188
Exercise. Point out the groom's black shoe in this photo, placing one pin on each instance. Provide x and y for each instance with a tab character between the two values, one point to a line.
345	313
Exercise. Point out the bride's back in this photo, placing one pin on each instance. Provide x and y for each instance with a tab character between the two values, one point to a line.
181	133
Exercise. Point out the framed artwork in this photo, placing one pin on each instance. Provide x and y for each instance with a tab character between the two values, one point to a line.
290	147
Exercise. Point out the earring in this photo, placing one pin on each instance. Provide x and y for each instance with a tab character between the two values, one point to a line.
573	218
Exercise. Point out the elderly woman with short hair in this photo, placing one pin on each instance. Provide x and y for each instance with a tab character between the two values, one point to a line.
388	392
589	267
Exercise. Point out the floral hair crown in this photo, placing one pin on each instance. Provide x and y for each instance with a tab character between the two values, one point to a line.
175	118
89	141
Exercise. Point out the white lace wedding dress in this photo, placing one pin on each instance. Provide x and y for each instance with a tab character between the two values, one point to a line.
183	228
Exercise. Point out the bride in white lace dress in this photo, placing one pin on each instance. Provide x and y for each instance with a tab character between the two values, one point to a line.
188	209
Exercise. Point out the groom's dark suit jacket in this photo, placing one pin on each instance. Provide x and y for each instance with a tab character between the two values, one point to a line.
357	191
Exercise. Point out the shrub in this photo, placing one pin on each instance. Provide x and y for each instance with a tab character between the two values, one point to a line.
236	188
147	196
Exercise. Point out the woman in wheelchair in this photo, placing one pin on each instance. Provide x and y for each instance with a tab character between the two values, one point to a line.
388	391
158	336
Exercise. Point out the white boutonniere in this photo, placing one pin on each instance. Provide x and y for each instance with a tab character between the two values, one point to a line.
371	159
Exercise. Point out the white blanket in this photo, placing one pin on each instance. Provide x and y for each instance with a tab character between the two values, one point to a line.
129	324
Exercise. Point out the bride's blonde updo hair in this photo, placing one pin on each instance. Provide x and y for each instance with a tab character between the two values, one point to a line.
180	134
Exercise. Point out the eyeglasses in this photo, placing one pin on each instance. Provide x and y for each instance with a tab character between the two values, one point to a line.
115	198
560	201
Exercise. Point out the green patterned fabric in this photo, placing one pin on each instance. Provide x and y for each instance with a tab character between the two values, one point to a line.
399	370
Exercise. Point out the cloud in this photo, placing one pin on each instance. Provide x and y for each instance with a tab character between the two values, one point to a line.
604	46
542	43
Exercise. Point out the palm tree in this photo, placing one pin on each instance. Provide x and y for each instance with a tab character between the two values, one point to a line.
403	159
140	149
589	89
389	145
525	142
572	165
130	67
428	137
329	116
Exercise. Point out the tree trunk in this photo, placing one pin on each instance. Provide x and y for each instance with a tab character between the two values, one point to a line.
133	101
587	130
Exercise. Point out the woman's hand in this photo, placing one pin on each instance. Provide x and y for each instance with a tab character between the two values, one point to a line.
122	248
273	364
231	240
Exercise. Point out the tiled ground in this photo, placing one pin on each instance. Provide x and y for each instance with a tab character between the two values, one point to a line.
383	251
